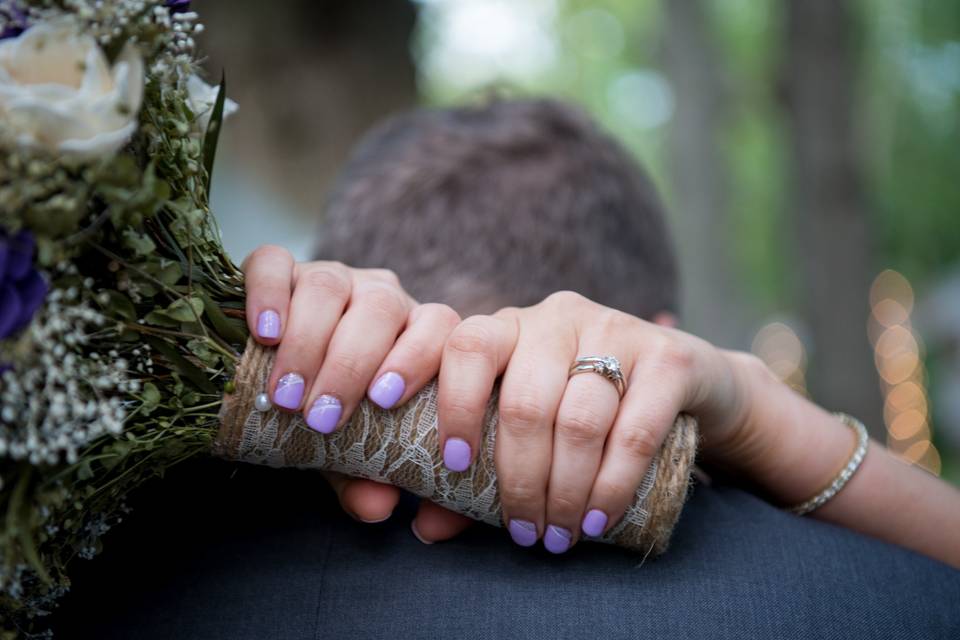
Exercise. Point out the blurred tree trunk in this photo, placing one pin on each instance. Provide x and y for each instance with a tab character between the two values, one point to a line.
833	264
310	77
713	304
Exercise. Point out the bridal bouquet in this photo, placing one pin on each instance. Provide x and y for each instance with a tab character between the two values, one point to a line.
123	346
119	311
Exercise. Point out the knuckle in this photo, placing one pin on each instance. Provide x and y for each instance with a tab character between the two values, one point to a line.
674	355
471	337
615	491
385	275
335	265
522	413
564	505
752	363
383	301
268	251
326	281
616	321
566	299
679	355
581	426
417	357
444	314
520	491
640	443
461	409
341	270
346	369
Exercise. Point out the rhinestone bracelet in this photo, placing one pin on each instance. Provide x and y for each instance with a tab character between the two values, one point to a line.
845	474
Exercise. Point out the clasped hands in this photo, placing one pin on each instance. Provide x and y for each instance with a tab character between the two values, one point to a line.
570	453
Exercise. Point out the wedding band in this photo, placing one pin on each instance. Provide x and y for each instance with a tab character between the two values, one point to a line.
607	366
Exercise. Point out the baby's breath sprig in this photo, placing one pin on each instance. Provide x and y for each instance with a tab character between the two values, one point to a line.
64	395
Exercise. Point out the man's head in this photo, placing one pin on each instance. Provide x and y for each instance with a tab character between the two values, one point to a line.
501	205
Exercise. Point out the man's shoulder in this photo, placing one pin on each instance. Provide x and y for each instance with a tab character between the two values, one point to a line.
270	554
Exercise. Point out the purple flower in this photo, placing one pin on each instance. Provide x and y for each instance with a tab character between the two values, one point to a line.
13	18
177	6
22	288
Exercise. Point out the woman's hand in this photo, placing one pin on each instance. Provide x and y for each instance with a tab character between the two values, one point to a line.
569	456
342	333
570	453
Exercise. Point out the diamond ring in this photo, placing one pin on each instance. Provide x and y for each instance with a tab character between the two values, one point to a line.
607	366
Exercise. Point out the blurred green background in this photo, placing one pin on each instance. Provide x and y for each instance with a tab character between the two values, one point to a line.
807	150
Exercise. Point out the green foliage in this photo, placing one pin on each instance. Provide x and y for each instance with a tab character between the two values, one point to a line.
212	134
909	114
911	111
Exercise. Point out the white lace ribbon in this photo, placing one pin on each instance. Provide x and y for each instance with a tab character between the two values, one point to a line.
278	440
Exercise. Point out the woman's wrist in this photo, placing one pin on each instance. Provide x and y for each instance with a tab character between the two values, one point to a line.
784	445
787	449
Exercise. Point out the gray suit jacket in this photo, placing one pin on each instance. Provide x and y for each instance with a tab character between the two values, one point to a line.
221	550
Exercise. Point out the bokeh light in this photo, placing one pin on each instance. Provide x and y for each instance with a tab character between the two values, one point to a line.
904	397
909	425
596	32
898	354
889	312
782	351
643	99
923	454
479	42
891	285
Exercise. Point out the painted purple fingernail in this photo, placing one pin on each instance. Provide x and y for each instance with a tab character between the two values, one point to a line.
324	414
594	522
523	532
268	324
456	454
388	389
557	539
289	391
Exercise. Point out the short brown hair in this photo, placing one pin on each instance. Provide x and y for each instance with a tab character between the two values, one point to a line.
500	205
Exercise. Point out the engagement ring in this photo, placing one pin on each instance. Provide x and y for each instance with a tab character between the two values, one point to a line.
607	366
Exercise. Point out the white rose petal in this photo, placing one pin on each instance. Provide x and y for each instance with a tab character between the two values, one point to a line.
58	92
202	97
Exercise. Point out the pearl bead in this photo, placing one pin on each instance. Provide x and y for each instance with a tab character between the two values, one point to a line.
262	402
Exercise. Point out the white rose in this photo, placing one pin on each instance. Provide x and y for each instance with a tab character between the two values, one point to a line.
58	92
201	98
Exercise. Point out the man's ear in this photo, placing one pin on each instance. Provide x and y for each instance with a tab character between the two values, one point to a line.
665	319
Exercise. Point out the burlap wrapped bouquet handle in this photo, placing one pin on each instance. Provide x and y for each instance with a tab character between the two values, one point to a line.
401	447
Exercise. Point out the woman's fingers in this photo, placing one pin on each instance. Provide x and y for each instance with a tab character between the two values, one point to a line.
433	523
385	276
268	273
362	339
529	396
475	353
321	292
415	358
365	500
584	419
656	393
